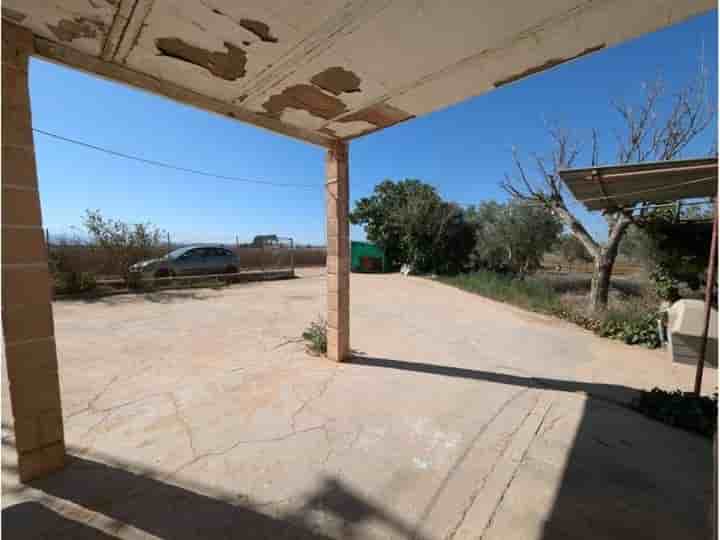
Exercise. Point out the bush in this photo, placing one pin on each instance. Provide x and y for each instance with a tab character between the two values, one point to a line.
532	294
632	328
681	409
634	321
316	337
414	225
76	282
124	243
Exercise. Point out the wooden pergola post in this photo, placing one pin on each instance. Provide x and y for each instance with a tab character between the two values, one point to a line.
338	256
27	319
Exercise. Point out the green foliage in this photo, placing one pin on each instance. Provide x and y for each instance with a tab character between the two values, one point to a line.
435	238
512	237
125	243
532	294
75	282
316	336
681	409
632	328
673	252
666	286
633	323
411	222
636	245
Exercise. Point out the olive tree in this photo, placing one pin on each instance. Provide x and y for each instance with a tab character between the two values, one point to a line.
512	237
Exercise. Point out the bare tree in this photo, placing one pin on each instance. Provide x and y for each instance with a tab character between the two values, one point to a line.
647	134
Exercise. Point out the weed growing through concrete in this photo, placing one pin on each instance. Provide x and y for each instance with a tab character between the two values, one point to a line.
316	337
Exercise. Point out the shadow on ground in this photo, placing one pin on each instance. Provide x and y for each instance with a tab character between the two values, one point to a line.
121	496
618	394
624	477
156	297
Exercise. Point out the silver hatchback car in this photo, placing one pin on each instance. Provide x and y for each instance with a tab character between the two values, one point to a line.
188	261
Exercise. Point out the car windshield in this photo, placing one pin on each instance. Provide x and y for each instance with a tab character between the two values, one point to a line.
183	250
178	252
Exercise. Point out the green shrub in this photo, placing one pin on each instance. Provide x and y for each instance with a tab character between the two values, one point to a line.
681	409
666	285
631	328
532	294
316	337
634	321
76	282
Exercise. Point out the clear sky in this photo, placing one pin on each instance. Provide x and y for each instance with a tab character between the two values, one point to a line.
463	150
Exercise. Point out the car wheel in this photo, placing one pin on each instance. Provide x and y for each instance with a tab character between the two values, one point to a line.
163	273
230	270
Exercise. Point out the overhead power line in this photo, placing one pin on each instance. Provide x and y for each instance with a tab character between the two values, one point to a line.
173	167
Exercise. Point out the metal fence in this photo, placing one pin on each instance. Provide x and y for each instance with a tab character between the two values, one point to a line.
75	263
85	257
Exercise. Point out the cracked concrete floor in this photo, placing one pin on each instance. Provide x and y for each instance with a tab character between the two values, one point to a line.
197	414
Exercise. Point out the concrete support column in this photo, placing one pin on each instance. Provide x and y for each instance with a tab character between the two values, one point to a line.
338	253
27	320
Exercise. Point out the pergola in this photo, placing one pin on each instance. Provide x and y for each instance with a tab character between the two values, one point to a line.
632	187
322	71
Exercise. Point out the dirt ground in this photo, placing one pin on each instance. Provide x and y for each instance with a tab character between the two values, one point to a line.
197	414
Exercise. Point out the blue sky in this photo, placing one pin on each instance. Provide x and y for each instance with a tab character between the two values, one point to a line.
463	150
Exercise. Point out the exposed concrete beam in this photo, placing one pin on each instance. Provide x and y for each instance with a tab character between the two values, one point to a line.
61	54
117	29
130	36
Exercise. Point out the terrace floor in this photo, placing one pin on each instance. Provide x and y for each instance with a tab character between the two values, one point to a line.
197	414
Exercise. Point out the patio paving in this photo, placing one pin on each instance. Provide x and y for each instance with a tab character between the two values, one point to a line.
198	414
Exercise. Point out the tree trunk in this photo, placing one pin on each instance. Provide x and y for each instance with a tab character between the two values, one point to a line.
604	262
604	256
600	284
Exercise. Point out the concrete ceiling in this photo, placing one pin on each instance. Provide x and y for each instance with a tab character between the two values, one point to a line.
322	70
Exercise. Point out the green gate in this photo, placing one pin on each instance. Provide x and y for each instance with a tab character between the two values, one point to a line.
366	257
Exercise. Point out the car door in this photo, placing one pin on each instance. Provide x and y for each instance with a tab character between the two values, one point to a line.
207	262
190	263
227	260
215	261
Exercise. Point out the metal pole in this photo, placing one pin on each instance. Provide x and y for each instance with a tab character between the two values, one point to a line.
292	256
168	242
708	303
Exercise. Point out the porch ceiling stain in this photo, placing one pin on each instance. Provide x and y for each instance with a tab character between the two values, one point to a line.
322	70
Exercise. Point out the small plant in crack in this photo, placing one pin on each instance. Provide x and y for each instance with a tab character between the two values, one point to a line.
315	336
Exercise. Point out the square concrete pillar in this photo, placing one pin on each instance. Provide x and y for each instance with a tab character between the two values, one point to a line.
27	319
338	253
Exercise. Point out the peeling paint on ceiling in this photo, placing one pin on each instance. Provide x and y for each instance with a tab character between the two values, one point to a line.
545	66
229	65
307	98
79	27
380	115
260	29
337	80
322	69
